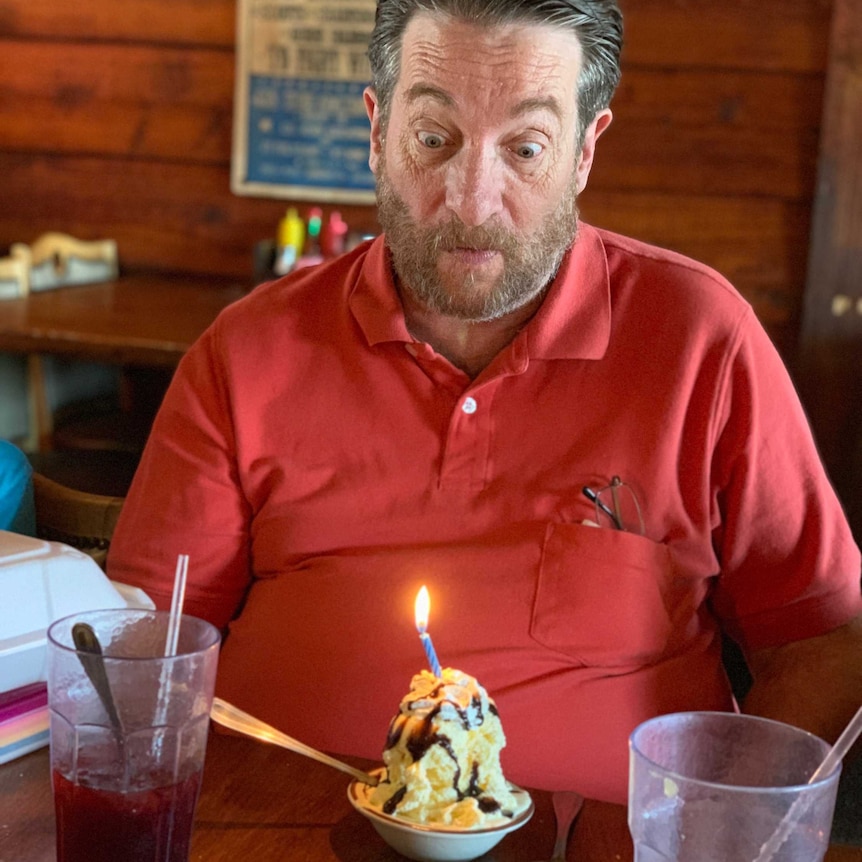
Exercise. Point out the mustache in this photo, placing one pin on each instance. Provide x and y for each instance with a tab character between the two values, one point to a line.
455	234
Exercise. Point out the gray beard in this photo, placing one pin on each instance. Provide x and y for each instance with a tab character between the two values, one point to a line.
530	265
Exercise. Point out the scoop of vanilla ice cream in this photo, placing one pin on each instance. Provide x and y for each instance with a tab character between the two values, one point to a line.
442	755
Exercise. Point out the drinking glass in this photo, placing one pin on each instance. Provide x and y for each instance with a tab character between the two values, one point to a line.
128	734
714	786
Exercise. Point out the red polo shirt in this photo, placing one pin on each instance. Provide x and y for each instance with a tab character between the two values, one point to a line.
318	465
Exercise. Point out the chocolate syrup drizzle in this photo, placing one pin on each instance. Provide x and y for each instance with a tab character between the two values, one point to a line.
420	741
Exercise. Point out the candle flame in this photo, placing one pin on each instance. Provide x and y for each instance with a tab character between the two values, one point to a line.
421	609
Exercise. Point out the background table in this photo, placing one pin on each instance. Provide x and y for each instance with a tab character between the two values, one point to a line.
145	319
144	323
263	803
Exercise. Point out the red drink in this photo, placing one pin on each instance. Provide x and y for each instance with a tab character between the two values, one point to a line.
98	825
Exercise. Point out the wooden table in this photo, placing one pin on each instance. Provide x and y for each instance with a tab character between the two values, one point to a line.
266	804
140	319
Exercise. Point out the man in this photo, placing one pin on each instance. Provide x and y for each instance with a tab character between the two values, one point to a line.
585	446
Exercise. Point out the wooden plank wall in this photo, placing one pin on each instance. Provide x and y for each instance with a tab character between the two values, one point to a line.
115	120
829	364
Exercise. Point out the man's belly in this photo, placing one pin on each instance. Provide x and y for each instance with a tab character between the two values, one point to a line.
578	634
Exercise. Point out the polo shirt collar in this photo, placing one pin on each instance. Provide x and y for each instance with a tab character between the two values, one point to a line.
374	299
573	322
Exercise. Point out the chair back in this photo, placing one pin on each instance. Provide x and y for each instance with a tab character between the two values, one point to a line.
77	518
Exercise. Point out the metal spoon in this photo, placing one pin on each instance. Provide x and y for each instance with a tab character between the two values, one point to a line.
230	716
90	653
567	806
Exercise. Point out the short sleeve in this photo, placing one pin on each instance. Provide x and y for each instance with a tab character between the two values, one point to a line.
186	497
789	566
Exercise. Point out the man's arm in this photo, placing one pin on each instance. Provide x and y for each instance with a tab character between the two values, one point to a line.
187	497
815	684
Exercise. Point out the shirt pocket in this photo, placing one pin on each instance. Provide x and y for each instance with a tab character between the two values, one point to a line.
609	598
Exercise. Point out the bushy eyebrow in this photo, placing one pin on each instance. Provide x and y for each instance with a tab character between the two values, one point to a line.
546	104
419	91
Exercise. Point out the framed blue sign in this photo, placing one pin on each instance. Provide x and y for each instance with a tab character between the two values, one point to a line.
300	129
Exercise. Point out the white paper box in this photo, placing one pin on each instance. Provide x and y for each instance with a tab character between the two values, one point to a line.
41	582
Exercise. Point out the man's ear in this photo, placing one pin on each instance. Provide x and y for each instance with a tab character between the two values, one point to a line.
372	108
585	160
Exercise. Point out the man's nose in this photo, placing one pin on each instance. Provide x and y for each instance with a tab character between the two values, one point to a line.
474	186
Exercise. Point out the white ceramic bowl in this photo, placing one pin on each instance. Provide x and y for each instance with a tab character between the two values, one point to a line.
434	843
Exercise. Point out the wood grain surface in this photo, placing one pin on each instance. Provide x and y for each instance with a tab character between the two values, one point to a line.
263	803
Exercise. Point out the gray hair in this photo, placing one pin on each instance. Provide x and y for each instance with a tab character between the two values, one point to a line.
598	24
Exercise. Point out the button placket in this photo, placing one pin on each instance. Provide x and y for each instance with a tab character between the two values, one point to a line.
468	439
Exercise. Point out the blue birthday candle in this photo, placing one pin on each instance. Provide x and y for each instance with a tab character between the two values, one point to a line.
421	609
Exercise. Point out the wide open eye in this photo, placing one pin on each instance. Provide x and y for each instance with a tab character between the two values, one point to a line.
432	140
527	150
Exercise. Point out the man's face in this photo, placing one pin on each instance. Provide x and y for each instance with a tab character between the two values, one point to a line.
478	169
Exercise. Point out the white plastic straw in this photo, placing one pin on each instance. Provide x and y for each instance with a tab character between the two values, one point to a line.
171	641
842	745
833	757
177	599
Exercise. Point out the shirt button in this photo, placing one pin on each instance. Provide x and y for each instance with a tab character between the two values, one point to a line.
469	406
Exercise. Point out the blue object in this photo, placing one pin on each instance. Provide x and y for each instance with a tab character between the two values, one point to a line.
17	509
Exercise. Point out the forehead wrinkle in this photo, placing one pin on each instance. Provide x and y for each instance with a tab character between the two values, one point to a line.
498	65
487	61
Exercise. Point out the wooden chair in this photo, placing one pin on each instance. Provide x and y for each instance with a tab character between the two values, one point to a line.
80	519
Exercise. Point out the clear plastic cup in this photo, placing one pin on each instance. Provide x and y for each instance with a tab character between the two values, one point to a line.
714	787
126	765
